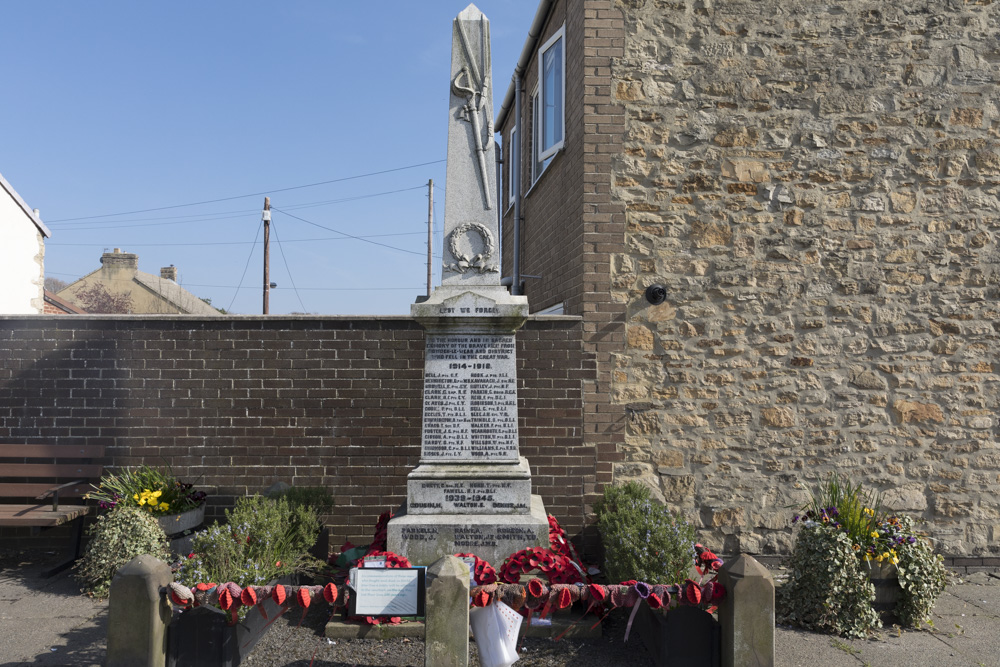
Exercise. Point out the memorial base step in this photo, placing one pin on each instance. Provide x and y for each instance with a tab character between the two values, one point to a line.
424	538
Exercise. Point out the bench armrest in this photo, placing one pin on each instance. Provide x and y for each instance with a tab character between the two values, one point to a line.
54	492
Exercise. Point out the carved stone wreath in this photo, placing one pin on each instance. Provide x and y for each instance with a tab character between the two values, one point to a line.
466	261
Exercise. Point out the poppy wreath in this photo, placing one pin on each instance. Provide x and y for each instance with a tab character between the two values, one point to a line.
391	559
481	570
561	545
558	569
381	536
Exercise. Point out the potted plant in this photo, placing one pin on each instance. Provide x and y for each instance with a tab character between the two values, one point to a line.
175	503
856	565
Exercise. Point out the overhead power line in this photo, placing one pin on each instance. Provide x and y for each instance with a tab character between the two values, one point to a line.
49	243
251	194
337	231
247	266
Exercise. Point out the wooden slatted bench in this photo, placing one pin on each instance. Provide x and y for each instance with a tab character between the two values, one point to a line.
37	480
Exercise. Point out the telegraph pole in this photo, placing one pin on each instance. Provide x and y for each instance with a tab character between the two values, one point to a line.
430	230
266	217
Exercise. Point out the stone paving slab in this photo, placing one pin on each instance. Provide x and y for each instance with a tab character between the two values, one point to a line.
47	621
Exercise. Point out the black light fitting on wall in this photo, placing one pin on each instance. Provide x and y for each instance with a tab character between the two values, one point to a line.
656	294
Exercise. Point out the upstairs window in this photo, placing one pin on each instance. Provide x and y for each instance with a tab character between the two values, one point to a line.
551	107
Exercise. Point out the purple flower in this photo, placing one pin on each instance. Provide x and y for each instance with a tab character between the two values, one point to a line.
642	589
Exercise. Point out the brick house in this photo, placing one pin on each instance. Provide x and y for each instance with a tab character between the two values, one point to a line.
22	259
815	188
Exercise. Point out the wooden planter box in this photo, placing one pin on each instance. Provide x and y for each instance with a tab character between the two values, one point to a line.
202	637
683	636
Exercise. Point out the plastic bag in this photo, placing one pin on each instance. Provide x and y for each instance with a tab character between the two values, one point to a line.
495	628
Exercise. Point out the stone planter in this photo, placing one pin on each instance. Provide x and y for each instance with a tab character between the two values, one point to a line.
885	579
180	528
682	636
175	524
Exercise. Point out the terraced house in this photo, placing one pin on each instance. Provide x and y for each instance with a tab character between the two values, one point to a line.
778	221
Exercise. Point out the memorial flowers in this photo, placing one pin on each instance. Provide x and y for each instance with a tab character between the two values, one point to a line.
150	489
846	539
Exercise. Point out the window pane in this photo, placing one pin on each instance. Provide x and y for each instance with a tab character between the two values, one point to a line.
552	96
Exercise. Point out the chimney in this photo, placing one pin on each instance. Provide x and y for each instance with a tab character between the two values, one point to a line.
119	259
169	273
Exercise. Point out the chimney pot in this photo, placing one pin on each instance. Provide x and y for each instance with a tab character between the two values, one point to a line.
169	273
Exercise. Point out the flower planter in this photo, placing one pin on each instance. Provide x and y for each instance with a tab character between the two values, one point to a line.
682	636
885	579
175	524
180	529
202	637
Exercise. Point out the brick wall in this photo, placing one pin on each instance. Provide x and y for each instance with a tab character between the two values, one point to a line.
571	223
240	403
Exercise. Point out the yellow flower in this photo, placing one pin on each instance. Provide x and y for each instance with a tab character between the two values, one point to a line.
164	506
157	493
869	512
874	533
135	496
885	555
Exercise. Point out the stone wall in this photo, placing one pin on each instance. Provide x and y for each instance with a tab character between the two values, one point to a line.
816	185
239	403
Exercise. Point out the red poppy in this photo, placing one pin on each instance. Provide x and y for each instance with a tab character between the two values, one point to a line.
718	592
225	599
278	594
692	594
654	601
480	599
564	599
536	588
330	593
597	592
303	598
249	596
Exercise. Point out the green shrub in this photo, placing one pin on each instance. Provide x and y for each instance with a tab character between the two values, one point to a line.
115	539
642	539
264	539
316	497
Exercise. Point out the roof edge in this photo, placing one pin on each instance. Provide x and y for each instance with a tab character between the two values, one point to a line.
28	211
534	32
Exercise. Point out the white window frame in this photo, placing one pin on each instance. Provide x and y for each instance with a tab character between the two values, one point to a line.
513	165
556	38
538	165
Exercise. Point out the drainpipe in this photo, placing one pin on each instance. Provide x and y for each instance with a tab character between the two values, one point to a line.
515	180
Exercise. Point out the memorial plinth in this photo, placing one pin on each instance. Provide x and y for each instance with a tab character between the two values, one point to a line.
471	491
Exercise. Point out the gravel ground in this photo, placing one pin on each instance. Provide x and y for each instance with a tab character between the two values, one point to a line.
288	644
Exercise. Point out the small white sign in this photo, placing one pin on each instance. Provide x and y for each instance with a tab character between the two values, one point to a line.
388	592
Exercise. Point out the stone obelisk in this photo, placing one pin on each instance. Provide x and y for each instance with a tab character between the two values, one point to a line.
472	489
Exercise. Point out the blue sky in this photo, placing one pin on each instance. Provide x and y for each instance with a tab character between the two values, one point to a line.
121	107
